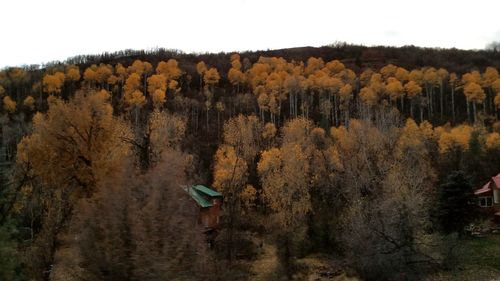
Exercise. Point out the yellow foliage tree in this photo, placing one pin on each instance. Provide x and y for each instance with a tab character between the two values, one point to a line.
9	105
75	144
29	102
211	78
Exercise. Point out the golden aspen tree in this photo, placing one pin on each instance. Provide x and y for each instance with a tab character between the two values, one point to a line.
75	143
413	90
268	133
158	98
121	72
335	67
9	105
471	77
345	94
475	94
365	76
201	68
284	174
489	77
211	78
496	89
52	83
170	69
402	75
453	80
493	141
388	71
236	77
157	87
457	137
219	107
394	89
73	73
232	159
136	67
133	96
369	99
312	65
90	75
103	72
291	86
430	80
29	102
2	91
132	84
417	76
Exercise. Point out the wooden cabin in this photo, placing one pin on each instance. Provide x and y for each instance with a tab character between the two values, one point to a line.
209	204
488	197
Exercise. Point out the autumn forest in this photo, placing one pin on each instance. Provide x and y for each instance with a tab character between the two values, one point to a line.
342	161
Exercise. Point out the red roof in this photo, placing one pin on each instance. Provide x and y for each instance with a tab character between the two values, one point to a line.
483	189
487	188
497	214
496	180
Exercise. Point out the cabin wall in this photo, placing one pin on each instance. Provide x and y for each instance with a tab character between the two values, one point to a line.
209	217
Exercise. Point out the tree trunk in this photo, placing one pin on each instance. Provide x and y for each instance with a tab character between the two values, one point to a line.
453	104
441	105
474	107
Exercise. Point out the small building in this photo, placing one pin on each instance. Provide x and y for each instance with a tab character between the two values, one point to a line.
488	197
209	204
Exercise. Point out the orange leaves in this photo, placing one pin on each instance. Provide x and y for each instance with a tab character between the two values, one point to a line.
9	105
170	69
456	137
29	102
229	170
497	100
235	76
411	139
474	92
211	76
201	68
368	96
412	89
73	73
493	141
75	143
345	92
394	88
158	97
157	82
52	83
471	77
388	71
132	83
136	99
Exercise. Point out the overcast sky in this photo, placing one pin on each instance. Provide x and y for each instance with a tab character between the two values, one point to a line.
35	31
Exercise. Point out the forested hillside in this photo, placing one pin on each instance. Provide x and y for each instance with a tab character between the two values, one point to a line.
354	153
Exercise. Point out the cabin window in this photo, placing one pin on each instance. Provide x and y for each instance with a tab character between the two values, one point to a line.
495	196
205	221
485	201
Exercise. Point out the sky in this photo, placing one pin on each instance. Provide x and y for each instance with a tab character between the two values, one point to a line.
36	32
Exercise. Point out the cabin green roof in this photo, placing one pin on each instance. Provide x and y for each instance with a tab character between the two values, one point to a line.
199	198
201	193
207	191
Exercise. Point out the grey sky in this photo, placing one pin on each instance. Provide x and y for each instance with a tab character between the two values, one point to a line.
35	32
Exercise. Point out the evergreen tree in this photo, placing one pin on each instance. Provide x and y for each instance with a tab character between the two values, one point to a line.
455	208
